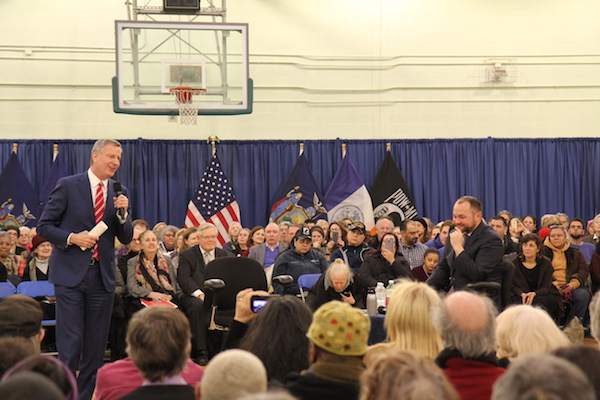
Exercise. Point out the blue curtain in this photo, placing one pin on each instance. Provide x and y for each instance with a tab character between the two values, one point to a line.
525	176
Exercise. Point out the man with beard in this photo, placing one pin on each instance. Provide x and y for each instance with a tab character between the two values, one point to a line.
576	232
473	251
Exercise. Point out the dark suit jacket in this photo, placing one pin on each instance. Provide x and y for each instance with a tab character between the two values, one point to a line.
190	274
479	262
70	209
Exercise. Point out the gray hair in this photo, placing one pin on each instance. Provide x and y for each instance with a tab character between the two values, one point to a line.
338	266
544	377
470	345
171	228
205	226
99	146
4	234
284	223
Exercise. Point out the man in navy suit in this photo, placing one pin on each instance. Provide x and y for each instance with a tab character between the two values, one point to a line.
84	280
473	250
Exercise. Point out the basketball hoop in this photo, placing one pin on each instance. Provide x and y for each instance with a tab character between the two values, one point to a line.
188	111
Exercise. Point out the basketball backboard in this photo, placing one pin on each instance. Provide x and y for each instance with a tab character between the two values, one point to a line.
154	57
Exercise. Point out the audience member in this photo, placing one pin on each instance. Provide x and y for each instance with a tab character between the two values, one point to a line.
383	226
233	374
14	233
410	246
408	320
337	237
50	367
532	279
385	264
337	283
276	334
547	221
277	394
28	386
190	277
576	232
564	220
499	225
423	229
440	240
517	229
530	223
283	232
151	275
403	375
319	242
473	253
431	258
543	377
158	342
338	339
257	236
265	253
8	259
323	224
524	329
594	238
233	232
354	252
14	349
594	317
300	260
570	270
292	230
167	239
506	215
158	227
189	238
37	268
241	246
466	322
21	316
587	359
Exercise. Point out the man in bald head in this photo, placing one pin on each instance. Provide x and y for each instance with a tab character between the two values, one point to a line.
466	322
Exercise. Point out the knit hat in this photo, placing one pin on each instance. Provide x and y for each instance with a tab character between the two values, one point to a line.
36	241
340	329
20	315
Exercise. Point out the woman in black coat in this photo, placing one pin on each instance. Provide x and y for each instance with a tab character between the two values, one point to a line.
384	263
337	283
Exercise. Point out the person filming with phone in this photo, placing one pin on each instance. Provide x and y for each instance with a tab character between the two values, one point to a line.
385	263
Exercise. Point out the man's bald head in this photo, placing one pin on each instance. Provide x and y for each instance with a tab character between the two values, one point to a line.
466	322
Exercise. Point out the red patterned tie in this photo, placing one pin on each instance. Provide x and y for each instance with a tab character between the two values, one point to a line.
99	206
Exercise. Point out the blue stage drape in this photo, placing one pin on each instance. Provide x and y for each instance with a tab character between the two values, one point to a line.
525	176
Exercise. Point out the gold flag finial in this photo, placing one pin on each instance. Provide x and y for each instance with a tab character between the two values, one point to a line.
388	147
15	147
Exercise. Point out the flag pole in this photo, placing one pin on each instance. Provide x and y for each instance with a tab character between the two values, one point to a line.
15	147
213	140
388	147
343	150
301	149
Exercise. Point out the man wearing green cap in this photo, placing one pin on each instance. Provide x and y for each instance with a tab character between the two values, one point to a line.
338	336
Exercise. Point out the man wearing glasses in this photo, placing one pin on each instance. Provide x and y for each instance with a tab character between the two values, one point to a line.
190	276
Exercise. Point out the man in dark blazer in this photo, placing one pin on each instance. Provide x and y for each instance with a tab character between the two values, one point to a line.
84	279
473	250
190	276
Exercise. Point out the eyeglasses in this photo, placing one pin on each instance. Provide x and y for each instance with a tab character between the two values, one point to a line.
208	237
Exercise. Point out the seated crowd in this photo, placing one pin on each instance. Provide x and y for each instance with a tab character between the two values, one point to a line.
474	304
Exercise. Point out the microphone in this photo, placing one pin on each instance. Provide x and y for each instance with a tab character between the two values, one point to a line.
119	191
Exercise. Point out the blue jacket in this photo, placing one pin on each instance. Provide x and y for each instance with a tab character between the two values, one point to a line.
292	263
355	255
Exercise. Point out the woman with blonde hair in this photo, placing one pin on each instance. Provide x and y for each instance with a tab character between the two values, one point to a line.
408	322
523	329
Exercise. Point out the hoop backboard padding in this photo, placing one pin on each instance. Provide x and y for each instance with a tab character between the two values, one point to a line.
188	110
153	57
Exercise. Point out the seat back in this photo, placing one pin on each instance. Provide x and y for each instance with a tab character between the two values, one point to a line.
7	289
238	273
508	271
36	288
307	281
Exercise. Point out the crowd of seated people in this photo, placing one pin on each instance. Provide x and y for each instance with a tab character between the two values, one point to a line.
556	270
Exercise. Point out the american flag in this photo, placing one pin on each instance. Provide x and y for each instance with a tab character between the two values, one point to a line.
213	202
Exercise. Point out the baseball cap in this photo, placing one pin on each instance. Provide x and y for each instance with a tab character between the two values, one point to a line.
340	329
20	315
357	225
303	233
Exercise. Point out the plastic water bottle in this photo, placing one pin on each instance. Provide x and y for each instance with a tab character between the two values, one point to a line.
380	294
371	302
388	291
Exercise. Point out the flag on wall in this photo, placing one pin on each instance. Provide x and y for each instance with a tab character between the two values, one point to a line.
390	193
57	170
299	198
19	204
348	197
213	202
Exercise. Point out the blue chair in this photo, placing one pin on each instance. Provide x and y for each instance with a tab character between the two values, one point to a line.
7	289
38	289
307	281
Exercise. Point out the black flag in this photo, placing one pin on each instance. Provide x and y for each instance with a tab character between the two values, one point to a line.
390	193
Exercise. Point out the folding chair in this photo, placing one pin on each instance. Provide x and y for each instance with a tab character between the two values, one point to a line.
307	281
7	289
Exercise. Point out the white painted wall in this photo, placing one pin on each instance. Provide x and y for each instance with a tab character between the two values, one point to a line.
324	69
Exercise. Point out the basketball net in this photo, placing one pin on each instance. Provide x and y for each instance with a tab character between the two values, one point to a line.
188	110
